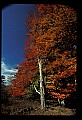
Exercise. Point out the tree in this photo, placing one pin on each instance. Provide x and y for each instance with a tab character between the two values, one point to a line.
52	35
24	77
2	77
49	50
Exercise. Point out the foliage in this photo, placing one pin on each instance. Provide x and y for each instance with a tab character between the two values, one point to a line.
51	36
24	77
2	77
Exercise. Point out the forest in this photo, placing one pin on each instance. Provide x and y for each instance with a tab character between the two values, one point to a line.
47	78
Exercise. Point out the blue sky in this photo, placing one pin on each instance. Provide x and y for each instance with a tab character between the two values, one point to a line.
13	35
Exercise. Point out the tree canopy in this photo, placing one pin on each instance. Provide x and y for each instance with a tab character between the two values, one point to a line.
51	37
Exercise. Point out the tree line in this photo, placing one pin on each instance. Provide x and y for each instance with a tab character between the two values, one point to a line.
50	52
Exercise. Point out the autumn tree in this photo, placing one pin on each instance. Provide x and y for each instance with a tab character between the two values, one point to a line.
24	77
50	50
51	37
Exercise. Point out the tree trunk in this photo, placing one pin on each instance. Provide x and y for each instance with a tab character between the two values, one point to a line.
41	86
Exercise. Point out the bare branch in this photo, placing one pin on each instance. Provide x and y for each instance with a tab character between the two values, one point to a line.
36	90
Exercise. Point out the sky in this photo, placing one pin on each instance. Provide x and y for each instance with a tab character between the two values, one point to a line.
13	36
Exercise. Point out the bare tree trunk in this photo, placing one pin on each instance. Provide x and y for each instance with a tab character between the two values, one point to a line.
41	86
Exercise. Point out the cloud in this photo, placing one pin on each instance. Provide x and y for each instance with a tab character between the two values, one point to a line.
6	70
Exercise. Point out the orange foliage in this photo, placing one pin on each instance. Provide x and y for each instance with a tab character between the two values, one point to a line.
51	36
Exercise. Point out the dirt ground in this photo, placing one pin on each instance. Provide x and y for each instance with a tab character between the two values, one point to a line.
32	107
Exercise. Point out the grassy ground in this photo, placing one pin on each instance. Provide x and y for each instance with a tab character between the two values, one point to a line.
32	107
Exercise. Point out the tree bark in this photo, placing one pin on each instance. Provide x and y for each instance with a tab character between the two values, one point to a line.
41	85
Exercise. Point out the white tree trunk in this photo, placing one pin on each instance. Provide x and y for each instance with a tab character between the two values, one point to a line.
41	86
61	102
